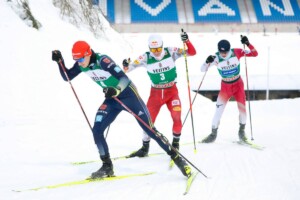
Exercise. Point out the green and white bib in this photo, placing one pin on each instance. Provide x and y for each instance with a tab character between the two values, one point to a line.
228	68
100	76
163	71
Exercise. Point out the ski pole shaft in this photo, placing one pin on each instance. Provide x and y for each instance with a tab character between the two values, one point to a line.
194	98
64	69
189	92
107	131
160	136
248	94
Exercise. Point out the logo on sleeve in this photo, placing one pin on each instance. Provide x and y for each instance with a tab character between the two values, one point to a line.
103	107
98	118
136	62
106	60
117	69
111	64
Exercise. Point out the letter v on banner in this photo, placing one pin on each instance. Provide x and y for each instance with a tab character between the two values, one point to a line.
153	11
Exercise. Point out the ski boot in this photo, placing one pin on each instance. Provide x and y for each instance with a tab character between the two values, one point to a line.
106	170
182	165
142	152
175	142
242	136
211	137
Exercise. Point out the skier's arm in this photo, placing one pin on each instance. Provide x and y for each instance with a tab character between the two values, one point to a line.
210	61
178	52
71	73
109	65
240	52
138	62
190	51
253	52
248	53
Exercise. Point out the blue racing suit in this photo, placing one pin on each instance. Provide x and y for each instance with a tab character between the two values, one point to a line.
103	70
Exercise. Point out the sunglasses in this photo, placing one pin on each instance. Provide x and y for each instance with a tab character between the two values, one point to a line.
80	60
153	50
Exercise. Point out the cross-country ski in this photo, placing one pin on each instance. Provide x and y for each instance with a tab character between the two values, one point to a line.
85	181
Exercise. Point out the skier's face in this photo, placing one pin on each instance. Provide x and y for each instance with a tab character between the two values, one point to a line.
156	51
223	54
84	62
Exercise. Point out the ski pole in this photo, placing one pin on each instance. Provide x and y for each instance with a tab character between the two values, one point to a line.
107	131
64	69
189	92
248	94
159	135
195	96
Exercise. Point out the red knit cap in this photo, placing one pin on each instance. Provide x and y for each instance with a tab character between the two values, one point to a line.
81	49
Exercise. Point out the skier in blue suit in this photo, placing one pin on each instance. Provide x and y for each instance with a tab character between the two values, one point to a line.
106	73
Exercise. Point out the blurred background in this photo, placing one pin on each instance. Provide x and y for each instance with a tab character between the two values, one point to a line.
233	17
202	16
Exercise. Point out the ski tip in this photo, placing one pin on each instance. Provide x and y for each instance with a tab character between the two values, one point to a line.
250	144
190	180
82	163
171	164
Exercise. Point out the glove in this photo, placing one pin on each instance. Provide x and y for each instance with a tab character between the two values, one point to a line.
210	59
56	55
125	64
184	37
111	92
245	40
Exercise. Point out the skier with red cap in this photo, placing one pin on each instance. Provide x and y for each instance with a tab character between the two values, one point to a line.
107	74
227	60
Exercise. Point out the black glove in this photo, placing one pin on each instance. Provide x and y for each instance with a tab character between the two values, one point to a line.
245	40
126	62
184	37
56	55
210	59
111	92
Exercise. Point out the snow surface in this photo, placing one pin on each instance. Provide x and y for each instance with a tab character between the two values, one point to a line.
43	129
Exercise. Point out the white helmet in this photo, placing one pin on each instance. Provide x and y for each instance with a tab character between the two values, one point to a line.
155	41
